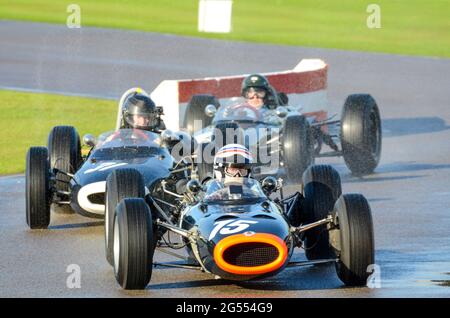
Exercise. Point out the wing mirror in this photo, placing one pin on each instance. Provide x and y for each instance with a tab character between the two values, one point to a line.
210	110
193	186
89	140
281	111
269	184
168	136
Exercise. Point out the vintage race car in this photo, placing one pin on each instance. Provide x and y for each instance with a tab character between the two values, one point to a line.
59	176
237	232
285	140
307	129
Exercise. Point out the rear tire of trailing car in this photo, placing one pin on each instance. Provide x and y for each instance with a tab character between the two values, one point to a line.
133	244
195	118
355	251
120	184
37	188
65	154
361	134
322	187
297	147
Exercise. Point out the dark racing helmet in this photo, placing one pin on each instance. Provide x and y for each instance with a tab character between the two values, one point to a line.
255	81
259	85
140	112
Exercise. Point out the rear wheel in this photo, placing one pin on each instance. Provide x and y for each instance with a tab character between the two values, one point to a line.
133	245
361	134
297	147
205	162
65	154
120	184
322	187
355	247
37	188
195	118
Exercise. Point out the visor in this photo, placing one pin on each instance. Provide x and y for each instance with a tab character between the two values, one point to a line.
141	120
254	92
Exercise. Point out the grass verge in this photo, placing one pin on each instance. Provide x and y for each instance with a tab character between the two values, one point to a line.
413	27
27	118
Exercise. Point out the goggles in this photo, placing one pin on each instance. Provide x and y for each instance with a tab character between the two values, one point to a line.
236	172
255	93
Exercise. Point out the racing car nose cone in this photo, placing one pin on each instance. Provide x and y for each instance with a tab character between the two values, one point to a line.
255	254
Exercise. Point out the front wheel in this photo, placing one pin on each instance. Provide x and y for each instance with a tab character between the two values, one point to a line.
133	244
322	187
37	188
353	239
120	184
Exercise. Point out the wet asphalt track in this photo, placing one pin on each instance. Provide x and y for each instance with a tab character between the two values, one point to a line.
409	193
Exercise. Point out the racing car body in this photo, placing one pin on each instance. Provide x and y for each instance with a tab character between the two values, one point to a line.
237	232
307	127
83	188
133	148
59	176
236	224
285	140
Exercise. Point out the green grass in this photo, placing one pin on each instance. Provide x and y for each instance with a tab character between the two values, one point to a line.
27	118
413	27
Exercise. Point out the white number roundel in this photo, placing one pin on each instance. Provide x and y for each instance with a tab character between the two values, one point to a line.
230	227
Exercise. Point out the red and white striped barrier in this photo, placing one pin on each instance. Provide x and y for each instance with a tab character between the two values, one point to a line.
305	86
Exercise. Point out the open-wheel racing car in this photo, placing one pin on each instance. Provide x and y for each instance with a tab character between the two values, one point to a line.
286	140
244	234
59	176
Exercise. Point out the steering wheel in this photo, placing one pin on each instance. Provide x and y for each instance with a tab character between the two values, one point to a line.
246	106
119	134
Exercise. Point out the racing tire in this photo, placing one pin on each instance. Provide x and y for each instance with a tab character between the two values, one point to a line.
297	145
37	188
65	154
356	248
205	164
133	245
120	184
322	187
195	113
361	134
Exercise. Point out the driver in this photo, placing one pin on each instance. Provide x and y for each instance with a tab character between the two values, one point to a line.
232	167
140	112
259	94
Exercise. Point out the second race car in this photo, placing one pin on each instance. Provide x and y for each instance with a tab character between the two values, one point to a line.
286	140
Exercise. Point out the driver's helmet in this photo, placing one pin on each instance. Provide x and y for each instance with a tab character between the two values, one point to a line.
232	164
255	84
139	111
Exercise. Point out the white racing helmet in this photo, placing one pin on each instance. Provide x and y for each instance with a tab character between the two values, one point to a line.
233	163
